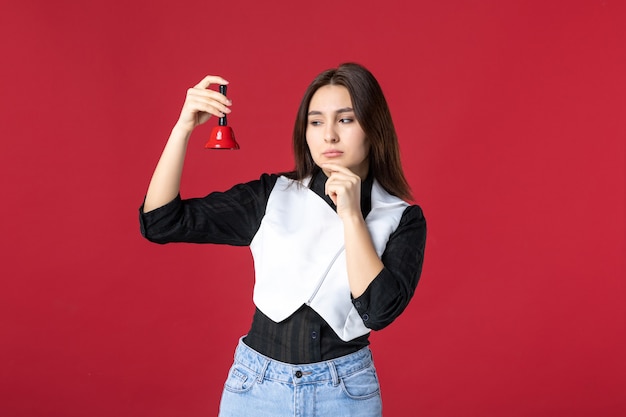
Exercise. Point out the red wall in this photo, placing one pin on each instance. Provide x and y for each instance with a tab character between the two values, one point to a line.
511	121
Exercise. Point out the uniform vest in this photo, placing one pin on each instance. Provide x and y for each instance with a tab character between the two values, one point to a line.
299	255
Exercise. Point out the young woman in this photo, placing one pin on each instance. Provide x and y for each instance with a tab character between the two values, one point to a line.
337	250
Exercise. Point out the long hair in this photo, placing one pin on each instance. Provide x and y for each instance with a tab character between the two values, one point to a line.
372	113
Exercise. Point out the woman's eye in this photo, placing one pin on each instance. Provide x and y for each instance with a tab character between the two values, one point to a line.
346	120
315	123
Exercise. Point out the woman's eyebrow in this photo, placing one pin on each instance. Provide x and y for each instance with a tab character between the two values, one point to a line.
341	110
345	110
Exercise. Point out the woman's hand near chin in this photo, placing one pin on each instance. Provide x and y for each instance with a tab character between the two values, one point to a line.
344	189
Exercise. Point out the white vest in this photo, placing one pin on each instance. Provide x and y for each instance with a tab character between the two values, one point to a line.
299	255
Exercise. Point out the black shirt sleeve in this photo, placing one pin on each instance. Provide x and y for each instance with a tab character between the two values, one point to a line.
231	217
390	292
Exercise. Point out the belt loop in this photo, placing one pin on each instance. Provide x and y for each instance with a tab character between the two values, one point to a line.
262	373
333	372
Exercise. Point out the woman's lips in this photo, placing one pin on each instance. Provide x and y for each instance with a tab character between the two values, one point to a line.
332	153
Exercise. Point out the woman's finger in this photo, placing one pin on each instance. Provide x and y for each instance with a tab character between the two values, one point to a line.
209	106
336	168
208	95
341	186
211	79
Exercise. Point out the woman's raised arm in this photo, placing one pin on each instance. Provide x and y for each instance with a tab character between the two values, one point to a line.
200	103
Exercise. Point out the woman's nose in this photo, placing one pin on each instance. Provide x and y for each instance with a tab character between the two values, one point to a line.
330	135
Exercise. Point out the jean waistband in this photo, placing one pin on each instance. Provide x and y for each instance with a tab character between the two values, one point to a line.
330	370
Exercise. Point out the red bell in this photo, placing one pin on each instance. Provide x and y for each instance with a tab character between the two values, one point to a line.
222	136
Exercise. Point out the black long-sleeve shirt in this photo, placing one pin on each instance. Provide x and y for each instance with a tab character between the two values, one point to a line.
233	217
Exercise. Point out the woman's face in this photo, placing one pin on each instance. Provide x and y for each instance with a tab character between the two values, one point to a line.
333	134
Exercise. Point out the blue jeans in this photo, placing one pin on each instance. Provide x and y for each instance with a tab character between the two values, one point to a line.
262	387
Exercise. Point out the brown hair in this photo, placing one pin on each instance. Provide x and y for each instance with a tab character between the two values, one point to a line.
372	112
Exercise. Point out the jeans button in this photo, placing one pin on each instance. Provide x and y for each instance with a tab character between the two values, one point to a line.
298	374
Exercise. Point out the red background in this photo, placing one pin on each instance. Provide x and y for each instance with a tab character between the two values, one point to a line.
511	121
